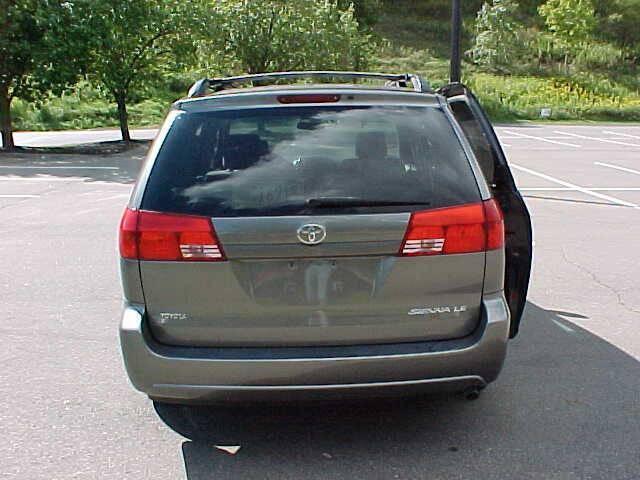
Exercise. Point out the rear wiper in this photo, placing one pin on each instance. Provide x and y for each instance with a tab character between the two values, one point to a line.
336	202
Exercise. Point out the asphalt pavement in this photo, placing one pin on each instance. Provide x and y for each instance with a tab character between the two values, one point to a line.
567	405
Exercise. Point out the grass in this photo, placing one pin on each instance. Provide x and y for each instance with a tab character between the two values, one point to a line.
419	42
413	37
85	107
522	97
68	113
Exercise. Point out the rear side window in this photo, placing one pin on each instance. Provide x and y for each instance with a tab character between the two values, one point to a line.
277	160
479	143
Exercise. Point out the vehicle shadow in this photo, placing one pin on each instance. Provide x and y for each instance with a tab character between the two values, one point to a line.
566	406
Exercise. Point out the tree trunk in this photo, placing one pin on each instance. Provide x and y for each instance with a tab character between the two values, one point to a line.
123	116
5	119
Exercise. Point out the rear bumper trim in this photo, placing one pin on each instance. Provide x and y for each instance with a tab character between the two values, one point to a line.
185	373
339	386
316	353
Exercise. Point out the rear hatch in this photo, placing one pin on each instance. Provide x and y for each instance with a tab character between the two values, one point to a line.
319	224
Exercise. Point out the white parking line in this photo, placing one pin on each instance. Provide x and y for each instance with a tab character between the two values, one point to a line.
567	189
563	326
624	169
598	139
41	179
523	135
611	132
58	167
112	197
548	137
578	188
88	210
19	196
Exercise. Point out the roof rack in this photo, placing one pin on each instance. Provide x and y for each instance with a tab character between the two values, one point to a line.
401	80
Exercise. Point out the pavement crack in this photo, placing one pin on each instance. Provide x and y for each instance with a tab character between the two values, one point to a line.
599	282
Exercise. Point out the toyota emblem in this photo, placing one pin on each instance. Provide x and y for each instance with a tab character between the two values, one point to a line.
312	234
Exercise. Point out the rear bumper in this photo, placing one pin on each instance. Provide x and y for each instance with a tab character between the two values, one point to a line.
194	374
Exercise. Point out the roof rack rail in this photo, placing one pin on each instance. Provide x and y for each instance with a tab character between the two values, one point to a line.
400	80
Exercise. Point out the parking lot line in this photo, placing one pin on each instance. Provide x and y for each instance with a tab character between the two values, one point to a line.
112	197
40	179
611	132
524	135
617	167
567	189
58	167
563	326
547	137
578	188
88	210
18	196
597	139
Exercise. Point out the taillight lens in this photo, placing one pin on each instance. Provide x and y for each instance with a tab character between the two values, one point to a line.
468	228
494	223
127	234
169	237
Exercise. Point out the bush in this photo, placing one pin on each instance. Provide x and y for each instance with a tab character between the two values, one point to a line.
584	98
598	56
497	44
271	35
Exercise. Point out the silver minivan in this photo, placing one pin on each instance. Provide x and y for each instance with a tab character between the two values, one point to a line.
300	239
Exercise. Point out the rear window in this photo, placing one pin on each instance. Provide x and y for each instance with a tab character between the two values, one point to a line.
300	160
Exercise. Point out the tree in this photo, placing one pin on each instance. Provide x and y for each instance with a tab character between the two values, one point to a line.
620	22
367	11
43	48
133	42
571	21
497	35
270	35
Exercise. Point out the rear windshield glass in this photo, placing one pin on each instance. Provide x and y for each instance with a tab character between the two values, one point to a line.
307	160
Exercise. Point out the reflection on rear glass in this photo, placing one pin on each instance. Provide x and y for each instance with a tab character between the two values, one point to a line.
271	161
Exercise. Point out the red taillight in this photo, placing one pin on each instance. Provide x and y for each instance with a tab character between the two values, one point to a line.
128	238
308	98
465	229
494	222
164	236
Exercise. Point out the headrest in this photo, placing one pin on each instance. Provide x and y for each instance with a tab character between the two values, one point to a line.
371	146
242	151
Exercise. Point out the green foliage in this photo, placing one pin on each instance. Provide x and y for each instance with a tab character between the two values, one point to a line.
367	11
590	75
571	21
620	22
583	98
135	41
261	36
42	46
601	56
42	49
497	42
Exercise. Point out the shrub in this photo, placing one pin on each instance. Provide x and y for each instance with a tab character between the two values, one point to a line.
497	42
